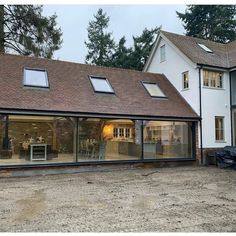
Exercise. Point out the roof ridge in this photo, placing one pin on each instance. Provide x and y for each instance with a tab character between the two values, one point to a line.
77	63
192	37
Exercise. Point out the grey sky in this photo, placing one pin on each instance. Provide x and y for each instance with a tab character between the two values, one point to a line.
125	20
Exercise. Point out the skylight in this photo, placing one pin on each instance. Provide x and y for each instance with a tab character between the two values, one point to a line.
205	48
153	89
35	78
101	84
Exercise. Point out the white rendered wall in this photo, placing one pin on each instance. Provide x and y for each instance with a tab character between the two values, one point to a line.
172	68
216	102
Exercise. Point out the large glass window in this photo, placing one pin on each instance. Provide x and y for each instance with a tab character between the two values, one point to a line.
212	79
107	139
36	139
167	139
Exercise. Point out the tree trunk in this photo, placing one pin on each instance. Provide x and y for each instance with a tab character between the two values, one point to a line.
2	29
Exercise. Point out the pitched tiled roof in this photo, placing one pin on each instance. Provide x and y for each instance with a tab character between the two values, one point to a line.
71	91
224	55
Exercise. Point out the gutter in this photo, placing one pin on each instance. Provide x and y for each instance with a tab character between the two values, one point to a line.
200	111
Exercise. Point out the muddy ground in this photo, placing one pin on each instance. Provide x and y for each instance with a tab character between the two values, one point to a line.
200	199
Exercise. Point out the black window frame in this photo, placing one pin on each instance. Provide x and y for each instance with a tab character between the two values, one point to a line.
35	86
147	82
102	78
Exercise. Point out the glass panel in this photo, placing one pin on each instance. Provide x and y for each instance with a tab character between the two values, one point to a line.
167	139
107	139
36	78
212	79
163	53
219	128
205	48
37	140
101	85
185	80
153	90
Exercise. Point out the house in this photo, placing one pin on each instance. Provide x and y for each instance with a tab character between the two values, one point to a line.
62	113
204	73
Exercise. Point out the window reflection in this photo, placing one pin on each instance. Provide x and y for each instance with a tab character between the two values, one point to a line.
106	139
36	139
167	139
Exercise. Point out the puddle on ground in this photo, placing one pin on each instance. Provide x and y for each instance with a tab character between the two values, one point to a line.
32	206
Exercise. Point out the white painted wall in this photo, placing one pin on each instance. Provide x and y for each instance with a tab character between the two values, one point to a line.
215	102
172	68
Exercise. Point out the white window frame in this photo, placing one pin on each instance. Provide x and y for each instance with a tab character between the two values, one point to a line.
210	80
220	129
120	133
163	53
186	73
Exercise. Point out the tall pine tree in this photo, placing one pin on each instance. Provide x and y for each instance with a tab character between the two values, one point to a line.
100	44
142	47
25	31
213	22
122	56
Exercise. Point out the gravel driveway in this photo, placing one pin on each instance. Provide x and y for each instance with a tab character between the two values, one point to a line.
136	200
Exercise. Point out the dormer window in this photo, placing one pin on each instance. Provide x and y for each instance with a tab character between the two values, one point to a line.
205	48
101	84
36	78
153	90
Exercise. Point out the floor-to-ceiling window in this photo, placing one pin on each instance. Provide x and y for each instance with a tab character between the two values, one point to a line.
109	139
36	139
167	139
49	139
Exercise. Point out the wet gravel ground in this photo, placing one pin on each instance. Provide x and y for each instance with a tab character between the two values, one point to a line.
186	199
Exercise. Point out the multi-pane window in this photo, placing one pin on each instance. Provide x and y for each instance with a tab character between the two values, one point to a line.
35	78
213	79
121	132
219	128
185	78
127	132
162	53
115	132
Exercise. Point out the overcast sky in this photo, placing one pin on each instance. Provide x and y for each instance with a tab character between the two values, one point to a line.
125	20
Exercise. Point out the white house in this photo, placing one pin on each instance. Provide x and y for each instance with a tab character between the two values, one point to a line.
204	72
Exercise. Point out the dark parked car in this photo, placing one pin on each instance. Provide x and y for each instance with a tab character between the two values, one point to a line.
226	157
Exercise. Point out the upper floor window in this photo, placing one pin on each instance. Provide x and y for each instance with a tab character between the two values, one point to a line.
163	53
213	79
153	90
35	78
185	78
219	128
101	84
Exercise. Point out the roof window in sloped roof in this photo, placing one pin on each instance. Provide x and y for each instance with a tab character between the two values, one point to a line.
101	84
35	78
205	48
153	90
